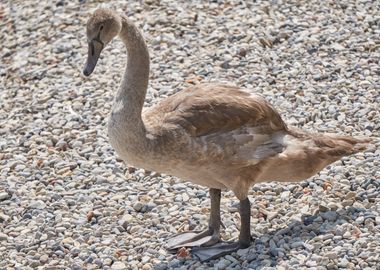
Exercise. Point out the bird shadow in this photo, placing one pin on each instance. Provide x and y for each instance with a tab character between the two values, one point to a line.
275	246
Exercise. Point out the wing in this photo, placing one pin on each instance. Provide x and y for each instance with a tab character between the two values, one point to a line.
207	109
216	123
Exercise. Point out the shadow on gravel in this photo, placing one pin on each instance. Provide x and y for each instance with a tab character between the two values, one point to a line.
267	250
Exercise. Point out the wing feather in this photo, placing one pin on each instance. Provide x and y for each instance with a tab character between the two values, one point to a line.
214	108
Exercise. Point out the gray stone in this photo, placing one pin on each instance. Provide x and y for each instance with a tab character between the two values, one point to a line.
4	217
343	263
4	196
44	258
118	266
330	215
138	206
174	263
323	208
222	264
3	237
37	204
161	266
125	220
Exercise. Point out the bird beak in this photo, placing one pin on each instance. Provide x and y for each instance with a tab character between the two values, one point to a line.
95	47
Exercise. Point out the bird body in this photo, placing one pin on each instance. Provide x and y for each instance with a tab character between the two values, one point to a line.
224	137
215	135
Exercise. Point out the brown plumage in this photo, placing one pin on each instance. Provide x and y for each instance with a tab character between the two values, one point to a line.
215	135
239	136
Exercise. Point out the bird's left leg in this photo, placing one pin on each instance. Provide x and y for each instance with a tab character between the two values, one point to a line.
208	237
224	248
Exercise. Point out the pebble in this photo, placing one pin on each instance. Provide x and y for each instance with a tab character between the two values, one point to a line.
44	258
347	235
125	221
4	196
323	208
174	263
330	216
4	217
343	263
138	206
37	204
222	264
118	266
3	237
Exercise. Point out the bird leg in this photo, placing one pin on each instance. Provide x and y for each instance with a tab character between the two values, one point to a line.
201	238
224	248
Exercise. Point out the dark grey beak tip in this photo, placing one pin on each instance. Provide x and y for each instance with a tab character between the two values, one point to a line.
86	72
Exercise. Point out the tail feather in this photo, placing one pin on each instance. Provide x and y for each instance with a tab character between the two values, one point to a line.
305	154
339	145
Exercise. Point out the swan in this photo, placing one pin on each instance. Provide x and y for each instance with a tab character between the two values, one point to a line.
215	135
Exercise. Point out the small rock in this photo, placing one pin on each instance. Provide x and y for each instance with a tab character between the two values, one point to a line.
285	195
296	244
350	195
44	258
161	266
273	252
37	204
225	65
346	203
67	241
343	263
185	197
134	229
337	46
118	266
174	263
20	167
242	52
359	220
377	220
271	215
358	205
333	206
145	259
242	252
3	237
323	208
107	261
330	215
4	196
125	220
308	246
331	255
138	206
222	264
147	266
34	264
347	235
3	217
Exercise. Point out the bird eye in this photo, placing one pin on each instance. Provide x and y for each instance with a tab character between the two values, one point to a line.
101	27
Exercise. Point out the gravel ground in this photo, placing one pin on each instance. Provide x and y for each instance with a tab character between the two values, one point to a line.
66	200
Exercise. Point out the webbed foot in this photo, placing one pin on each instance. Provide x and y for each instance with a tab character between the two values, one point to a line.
194	239
216	251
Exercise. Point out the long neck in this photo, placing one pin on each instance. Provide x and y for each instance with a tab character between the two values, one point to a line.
130	98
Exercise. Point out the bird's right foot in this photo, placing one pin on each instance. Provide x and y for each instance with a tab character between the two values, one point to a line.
194	239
